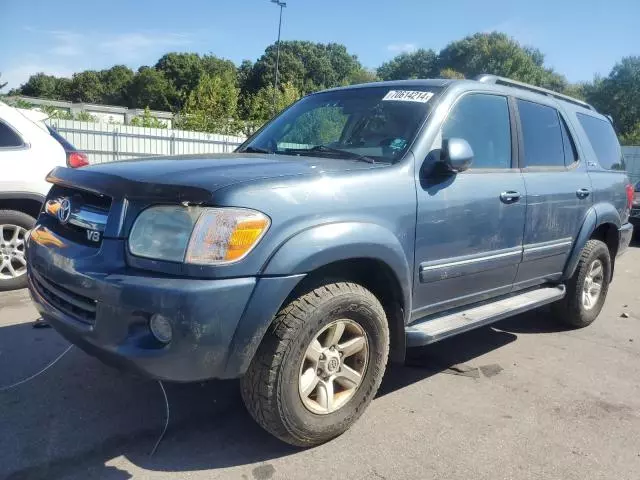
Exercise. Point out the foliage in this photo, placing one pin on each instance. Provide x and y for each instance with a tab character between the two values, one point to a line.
56	113
212	106
2	85
85	117
306	65
419	64
116	82
246	97
150	88
450	73
618	94
147	120
632	137
86	87
259	108
46	86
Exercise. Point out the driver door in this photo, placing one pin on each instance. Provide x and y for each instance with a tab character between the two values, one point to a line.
470	225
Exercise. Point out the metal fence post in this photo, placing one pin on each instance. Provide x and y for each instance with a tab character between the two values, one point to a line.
115	144
172	144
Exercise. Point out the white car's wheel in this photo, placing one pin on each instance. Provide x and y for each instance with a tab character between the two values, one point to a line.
13	263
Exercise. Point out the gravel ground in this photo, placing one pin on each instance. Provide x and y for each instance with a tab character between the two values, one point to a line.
523	399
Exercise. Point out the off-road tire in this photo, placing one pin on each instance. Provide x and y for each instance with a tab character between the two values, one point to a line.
14	217
270	386
570	309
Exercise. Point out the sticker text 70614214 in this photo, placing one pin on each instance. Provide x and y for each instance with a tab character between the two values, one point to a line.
408	96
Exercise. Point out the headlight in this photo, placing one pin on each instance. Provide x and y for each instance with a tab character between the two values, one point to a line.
203	236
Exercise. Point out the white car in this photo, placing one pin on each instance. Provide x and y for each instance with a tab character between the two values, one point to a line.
29	150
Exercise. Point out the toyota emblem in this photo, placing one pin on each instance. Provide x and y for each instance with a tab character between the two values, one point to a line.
64	212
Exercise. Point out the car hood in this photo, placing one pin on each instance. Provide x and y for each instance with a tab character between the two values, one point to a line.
192	178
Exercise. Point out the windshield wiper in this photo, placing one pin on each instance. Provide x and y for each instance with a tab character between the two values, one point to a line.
251	149
336	151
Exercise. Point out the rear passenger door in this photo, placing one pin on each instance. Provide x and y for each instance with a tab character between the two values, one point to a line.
558	191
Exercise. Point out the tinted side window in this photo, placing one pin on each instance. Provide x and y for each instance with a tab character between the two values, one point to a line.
542	135
483	121
604	141
8	138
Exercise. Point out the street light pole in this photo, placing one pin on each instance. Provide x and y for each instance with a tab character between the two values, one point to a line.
275	83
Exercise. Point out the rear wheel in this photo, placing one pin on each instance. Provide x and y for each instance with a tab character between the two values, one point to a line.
587	289
13	264
319	365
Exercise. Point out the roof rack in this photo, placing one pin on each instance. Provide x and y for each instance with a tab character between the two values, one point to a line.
495	79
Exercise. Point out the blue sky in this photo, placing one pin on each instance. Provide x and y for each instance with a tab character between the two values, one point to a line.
579	38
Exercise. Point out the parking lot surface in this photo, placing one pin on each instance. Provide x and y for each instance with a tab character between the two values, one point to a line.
523	399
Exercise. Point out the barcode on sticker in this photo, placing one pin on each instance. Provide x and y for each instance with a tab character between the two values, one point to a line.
408	96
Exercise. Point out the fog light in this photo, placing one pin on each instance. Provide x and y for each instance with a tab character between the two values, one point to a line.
161	327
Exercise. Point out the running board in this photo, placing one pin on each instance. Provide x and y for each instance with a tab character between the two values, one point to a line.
436	329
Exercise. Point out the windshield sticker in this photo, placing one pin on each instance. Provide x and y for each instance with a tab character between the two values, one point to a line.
408	96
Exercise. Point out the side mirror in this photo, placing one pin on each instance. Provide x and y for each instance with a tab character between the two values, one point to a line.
456	154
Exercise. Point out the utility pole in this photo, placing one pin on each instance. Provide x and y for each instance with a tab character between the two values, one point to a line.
282	5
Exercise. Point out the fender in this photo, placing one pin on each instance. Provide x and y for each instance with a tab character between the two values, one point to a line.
597	215
36	197
319	246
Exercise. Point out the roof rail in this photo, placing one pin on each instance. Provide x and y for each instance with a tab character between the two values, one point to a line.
497	80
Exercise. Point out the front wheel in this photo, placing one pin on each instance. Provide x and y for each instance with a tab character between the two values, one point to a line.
587	289
13	264
319	365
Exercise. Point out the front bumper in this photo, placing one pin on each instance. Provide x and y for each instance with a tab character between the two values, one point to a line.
104	308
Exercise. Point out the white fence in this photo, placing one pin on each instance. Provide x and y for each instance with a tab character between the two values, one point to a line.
632	160
104	142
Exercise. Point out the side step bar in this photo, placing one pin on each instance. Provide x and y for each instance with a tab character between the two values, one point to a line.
438	328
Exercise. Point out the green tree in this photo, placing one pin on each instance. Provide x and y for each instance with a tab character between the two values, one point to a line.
150	88
632	137
419	64
450	73
308	66
212	106
497	53
183	71
147	120
260	107
87	87
2	85
116	81
618	94
41	85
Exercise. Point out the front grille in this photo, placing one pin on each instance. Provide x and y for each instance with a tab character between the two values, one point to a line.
86	205
77	306
90	199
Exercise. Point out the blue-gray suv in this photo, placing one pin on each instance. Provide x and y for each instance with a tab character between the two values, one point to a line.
359	222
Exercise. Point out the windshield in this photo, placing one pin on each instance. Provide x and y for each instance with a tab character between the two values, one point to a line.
375	124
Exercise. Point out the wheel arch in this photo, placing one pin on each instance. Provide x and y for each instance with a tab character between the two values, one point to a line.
602	222
25	202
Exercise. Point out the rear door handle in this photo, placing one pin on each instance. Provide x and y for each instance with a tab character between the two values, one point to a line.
509	196
583	193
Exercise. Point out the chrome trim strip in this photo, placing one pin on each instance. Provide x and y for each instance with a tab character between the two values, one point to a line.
89	219
535	251
83	217
445	269
427	266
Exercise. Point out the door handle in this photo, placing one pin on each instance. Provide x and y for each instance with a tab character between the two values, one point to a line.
509	196
583	193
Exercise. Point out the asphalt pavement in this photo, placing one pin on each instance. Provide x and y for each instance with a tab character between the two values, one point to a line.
523	399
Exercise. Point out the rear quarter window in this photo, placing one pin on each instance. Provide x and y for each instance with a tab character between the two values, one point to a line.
9	138
604	142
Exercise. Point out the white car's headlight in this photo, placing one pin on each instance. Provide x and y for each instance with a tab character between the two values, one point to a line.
198	235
